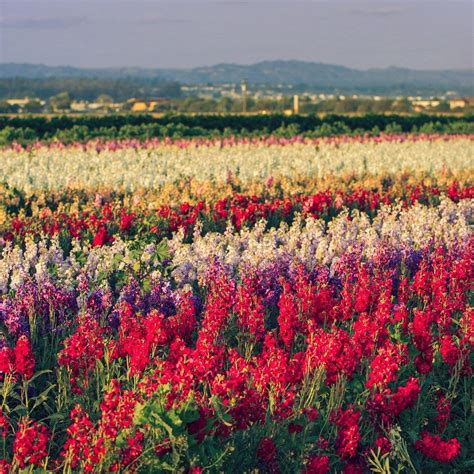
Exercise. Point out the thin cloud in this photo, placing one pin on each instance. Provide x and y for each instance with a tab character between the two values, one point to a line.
159	20
42	23
378	10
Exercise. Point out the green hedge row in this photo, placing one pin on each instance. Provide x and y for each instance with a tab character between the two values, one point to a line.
28	129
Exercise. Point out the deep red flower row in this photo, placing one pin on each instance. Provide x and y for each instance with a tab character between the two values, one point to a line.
102	224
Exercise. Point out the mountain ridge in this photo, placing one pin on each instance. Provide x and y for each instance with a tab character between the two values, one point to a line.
314	75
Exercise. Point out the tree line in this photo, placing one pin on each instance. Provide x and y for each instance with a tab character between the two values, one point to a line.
25	130
89	89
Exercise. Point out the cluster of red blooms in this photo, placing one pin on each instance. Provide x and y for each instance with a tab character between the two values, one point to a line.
4	425
31	443
333	351
86	442
245	362
443	407
435	448
101	226
81	351
79	444
267	454
384	366
387	405
139	339
250	309
317	465
18	361
348	433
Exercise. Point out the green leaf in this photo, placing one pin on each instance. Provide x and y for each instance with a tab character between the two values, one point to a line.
162	250
39	374
146	285
42	397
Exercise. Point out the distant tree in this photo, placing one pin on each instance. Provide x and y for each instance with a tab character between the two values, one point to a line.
165	107
197	105
171	90
442	107
327	105
251	104
6	108
364	106
269	105
402	106
61	101
381	106
224	105
104	99
346	106
33	106
126	106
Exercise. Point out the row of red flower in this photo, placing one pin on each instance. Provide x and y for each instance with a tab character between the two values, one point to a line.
101	225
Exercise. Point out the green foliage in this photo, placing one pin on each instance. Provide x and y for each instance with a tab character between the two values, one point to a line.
61	101
23	136
26	130
88	88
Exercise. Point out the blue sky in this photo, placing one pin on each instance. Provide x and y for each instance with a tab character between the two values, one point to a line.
419	34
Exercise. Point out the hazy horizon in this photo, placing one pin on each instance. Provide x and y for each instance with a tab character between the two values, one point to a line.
132	66
415	34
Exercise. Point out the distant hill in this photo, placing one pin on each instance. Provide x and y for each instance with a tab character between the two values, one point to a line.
299	74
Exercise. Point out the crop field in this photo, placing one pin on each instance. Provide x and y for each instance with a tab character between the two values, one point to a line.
237	304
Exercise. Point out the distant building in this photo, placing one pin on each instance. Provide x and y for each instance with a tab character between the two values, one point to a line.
140	105
422	104
85	106
97	105
26	104
461	102
296	104
79	106
18	102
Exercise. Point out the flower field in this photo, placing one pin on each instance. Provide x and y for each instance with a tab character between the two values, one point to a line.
237	305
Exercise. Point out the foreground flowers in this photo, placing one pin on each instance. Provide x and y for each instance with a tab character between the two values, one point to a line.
308	369
337	338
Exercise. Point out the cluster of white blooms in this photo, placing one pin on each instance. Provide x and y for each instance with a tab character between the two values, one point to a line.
44	260
150	168
313	243
309	242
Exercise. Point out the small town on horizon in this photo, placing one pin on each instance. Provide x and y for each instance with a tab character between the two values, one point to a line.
158	95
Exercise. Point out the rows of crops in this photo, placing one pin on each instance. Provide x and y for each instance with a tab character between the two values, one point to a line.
67	129
237	305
